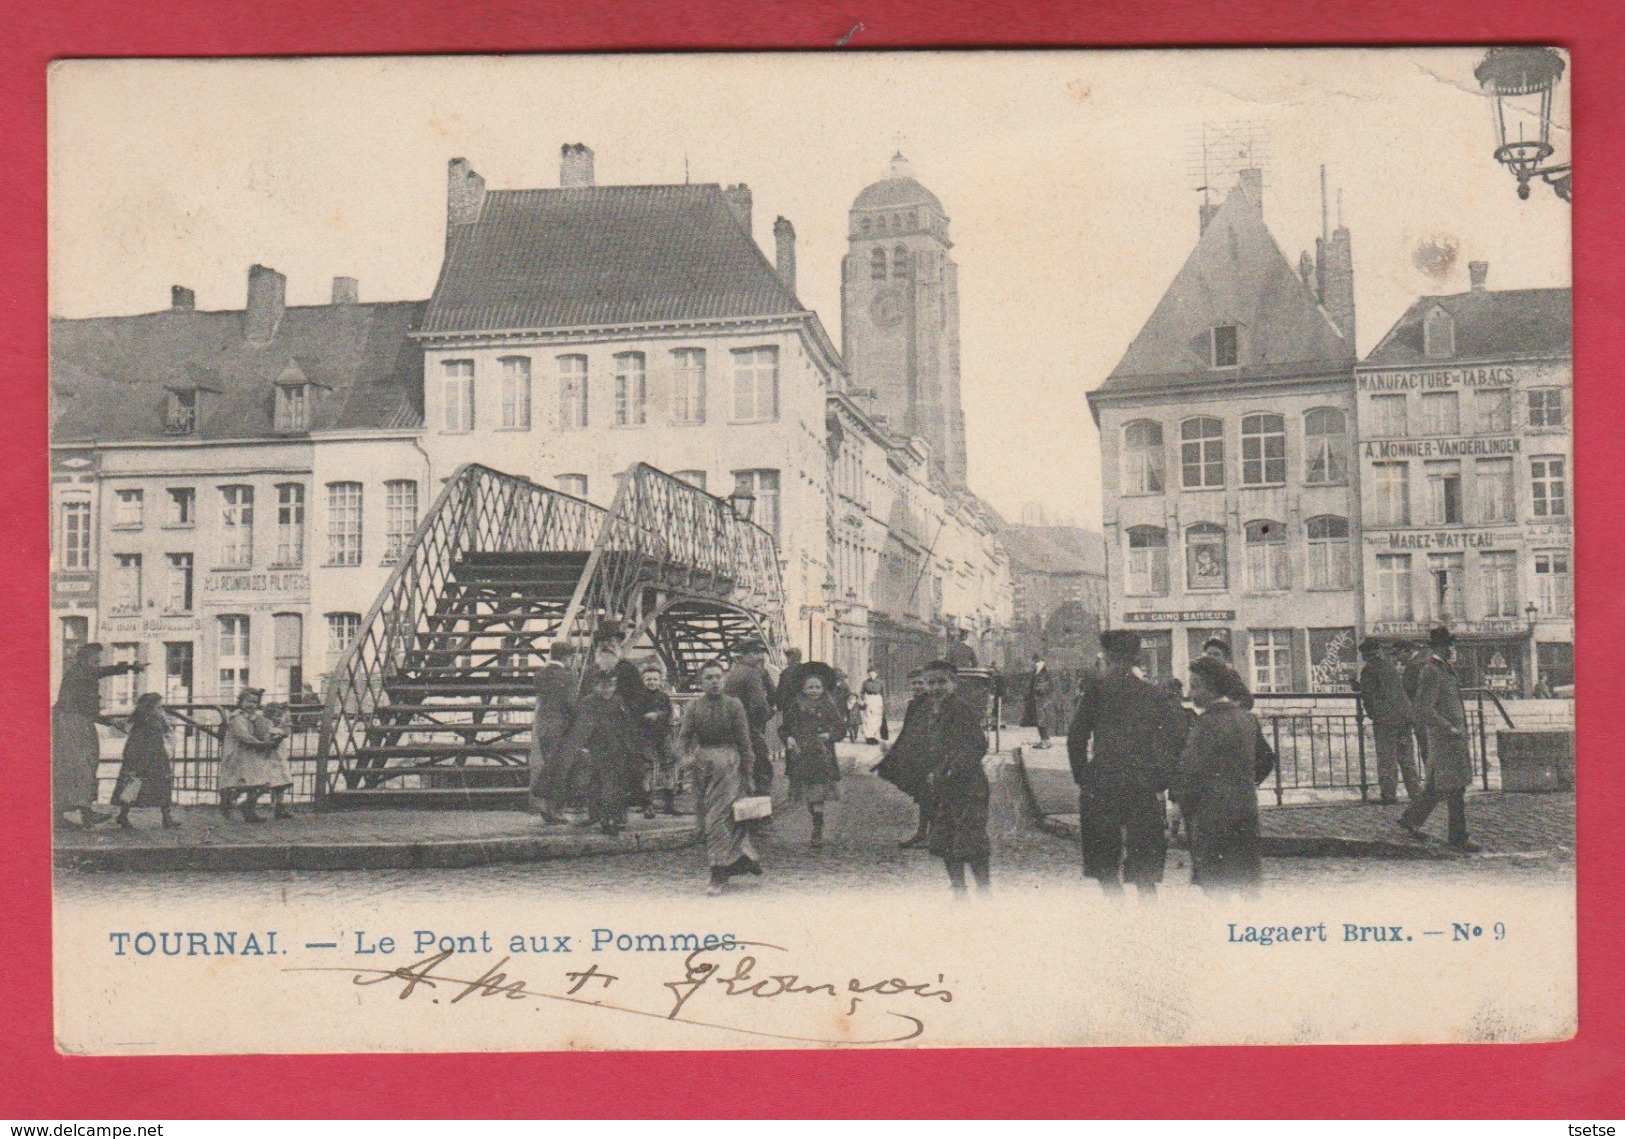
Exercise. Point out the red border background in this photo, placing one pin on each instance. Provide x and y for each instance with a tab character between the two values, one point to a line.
1578	1078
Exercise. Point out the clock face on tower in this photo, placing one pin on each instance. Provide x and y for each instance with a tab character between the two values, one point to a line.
886	310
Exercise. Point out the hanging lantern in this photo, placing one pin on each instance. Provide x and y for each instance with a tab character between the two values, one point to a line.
1521	81
743	503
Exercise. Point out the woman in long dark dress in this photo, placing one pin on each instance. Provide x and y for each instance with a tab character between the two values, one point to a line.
75	746
714	741
811	726
1216	784
146	777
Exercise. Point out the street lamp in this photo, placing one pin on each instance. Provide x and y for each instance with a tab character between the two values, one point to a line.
742	502
1521	81
1530	613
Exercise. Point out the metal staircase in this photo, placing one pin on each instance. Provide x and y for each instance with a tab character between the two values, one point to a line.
431	705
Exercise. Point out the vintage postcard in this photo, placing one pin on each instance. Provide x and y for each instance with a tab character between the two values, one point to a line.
781	551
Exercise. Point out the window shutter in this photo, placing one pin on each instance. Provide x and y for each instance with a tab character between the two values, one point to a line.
1300	660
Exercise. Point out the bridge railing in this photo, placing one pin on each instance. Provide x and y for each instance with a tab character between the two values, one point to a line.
664	535
479	509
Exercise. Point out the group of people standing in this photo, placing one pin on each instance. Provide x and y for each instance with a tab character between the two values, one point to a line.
603	743
253	751
1414	692
616	746
1132	742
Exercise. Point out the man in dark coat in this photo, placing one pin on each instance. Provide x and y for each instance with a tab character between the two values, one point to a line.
953	743
1123	743
789	686
1035	704
1412	658
1443	716
903	764
960	654
1382	695
555	713
747	683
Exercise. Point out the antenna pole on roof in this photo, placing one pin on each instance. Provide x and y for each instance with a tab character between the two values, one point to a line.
1340	207
685	168
1325	232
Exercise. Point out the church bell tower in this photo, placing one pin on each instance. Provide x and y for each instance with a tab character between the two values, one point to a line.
900	315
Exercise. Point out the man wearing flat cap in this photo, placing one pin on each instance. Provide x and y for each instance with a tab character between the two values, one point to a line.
1382	695
1437	707
747	683
1123	744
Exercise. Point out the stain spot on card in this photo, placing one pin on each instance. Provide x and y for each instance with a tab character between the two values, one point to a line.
1079	90
1436	255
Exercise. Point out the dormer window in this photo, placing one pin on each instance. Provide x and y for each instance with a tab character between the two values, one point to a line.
293	407
180	417
1438	334
1224	343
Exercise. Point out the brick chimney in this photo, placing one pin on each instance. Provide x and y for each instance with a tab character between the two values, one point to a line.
1478	272
739	202
346	291
1336	272
784	242
267	297
575	165
465	193
182	299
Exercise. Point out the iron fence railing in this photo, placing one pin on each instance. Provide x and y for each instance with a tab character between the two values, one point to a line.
196	735
666	539
1324	742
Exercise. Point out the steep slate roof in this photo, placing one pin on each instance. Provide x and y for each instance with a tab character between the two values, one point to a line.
1238	275
110	376
1505	324
1055	549
602	255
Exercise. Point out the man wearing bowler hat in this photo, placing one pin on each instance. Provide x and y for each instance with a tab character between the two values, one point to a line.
1438	709
1123	743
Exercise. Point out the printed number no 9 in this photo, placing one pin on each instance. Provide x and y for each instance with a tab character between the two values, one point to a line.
1500	931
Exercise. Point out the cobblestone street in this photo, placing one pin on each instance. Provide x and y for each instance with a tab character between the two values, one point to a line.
861	853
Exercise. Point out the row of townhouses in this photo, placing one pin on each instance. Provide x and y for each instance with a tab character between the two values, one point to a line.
1264	486
231	488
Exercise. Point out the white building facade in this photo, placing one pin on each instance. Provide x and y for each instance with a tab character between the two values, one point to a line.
1230	499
